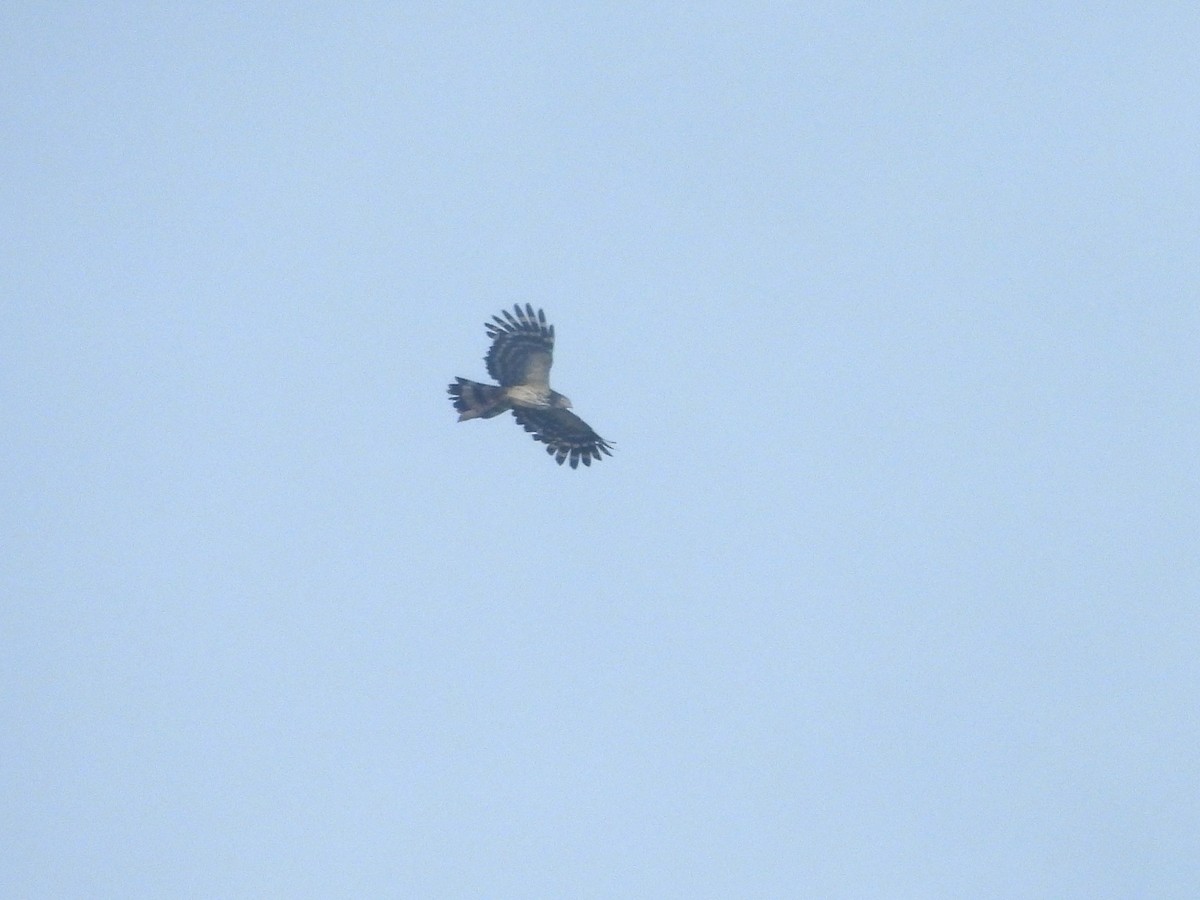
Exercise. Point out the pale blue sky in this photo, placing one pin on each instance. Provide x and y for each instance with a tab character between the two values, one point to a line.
890	589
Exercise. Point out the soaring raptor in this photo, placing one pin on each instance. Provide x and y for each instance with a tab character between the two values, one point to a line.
520	358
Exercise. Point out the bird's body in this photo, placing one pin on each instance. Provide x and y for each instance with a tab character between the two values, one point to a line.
519	359
483	401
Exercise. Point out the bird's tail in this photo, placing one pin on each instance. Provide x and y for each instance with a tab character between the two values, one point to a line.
477	401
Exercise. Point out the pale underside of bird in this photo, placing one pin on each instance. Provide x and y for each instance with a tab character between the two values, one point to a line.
519	359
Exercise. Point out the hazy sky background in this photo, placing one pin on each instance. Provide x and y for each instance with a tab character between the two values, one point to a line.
890	590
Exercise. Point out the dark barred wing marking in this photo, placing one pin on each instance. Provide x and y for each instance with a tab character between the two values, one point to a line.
522	347
565	435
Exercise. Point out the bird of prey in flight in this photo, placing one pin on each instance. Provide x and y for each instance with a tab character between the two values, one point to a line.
520	357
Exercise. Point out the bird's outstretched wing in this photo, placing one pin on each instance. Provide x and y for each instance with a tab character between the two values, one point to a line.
522	348
565	435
